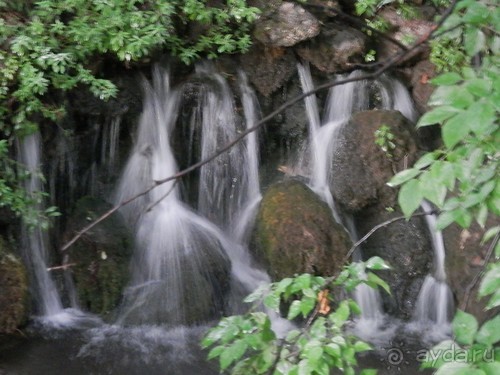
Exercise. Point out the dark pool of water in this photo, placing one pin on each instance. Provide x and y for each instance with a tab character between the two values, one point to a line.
151	351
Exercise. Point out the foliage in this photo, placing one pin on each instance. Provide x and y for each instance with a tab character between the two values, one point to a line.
246	344
461	178
384	139
48	47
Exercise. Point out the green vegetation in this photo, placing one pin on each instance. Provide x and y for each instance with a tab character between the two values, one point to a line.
461	178
48	47
246	344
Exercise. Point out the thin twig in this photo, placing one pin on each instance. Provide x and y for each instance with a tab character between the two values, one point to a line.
471	286
61	267
380	226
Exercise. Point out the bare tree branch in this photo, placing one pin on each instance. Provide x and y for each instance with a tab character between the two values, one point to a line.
472	285
388	64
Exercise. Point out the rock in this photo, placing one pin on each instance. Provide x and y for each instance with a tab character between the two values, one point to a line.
335	50
287	26
405	31
268	68
13	291
359	166
101	256
422	73
295	233
465	257
407	247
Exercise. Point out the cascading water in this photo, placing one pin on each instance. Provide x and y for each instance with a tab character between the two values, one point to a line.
221	190
342	102
183	263
253	196
35	239
435	300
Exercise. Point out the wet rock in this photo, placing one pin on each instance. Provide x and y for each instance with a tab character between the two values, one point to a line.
405	31
361	168
335	50
268	68
422	89
287	26
13	291
406	246
465	258
100	257
296	233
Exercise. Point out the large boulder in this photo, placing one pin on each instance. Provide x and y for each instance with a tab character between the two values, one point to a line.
407	247
361	169
100	258
13	291
295	233
422	88
288	25
336	49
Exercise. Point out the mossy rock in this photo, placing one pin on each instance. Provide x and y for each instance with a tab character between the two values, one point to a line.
295	232
100	257
13	291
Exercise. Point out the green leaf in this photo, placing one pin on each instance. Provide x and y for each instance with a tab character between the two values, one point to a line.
479	86
447	79
425	160
361	346
374	281
491	368
464	327
368	371
294	310
403	176
454	130
313	351
215	352
306	305
437	115
490	282
481	115
377	263
340	315
474	41
410	197
333	349
456	368
489	333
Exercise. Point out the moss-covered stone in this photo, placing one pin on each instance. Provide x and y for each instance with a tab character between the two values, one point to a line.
101	257
295	232
13	291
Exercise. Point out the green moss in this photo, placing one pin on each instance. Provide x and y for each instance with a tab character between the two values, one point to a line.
295	232
101	257
13	291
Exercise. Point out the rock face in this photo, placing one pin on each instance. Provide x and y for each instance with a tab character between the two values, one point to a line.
406	246
422	89
296	233
361	169
101	257
404	31
287	26
465	257
268	68
335	49
13	291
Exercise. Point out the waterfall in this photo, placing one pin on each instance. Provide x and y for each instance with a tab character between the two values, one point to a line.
435	300
253	196
221	190
342	101
182	262
34	239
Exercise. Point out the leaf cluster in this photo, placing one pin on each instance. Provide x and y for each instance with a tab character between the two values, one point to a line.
247	344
